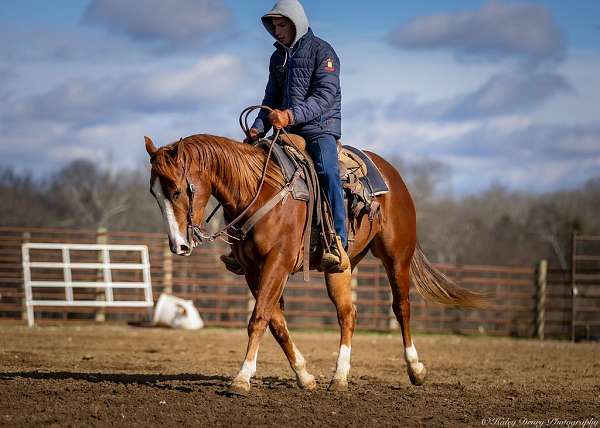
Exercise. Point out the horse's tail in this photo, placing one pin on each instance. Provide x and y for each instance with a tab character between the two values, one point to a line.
437	287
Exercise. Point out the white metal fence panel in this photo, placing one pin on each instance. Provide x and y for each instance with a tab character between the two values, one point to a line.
67	266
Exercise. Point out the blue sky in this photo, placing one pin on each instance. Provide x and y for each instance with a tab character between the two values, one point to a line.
500	92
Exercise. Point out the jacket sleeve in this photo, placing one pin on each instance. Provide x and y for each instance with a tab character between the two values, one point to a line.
325	84
272	99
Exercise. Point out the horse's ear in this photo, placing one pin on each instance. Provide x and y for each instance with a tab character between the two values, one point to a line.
180	152
150	147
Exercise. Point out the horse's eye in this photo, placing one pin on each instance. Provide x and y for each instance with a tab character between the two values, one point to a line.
176	195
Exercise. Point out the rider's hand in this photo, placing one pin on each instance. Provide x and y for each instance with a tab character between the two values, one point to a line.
254	135
281	118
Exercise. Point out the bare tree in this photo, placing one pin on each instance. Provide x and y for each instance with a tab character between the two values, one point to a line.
496	226
84	195
23	199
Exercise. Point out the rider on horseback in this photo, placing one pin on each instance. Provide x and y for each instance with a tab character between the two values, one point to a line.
304	88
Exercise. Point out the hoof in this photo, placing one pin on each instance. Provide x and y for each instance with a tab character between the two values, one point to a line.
308	383
239	388
417	375
338	385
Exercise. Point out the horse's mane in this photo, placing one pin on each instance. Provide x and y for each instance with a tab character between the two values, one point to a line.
238	166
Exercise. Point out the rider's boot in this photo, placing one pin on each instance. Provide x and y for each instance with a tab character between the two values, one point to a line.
335	259
232	265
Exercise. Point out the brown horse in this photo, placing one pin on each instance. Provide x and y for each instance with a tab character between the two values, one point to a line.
231	172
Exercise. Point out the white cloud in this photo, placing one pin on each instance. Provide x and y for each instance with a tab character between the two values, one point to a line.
582	69
103	112
507	93
89	101
502	94
177	23
507	125
509	149
209	78
497	30
490	122
425	131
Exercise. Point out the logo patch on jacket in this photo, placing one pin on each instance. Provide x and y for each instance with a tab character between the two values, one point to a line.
329	65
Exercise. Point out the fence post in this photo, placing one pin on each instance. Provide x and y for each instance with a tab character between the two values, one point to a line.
167	268
573	284
26	237
101	239
540	298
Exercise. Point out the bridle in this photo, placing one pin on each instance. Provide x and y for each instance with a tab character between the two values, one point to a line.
191	229
196	233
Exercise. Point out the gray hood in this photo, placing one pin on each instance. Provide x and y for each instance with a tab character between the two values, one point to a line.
291	9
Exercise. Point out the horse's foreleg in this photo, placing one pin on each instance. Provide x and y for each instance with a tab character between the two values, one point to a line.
271	282
280	332
339	290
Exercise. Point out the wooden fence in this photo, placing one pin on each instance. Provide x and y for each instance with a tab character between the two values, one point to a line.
223	298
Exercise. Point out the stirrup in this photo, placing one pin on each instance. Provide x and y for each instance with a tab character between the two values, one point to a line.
335	259
232	265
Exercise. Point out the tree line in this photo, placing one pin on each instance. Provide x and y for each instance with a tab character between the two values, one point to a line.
497	226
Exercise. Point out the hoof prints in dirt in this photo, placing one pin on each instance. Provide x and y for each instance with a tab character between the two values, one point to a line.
185	376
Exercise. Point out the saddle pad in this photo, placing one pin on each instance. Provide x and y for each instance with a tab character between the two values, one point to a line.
374	181
288	167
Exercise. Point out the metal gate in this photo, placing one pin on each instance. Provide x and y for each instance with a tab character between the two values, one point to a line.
585	287
102	263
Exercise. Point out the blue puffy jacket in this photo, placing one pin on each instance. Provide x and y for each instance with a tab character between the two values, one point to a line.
304	78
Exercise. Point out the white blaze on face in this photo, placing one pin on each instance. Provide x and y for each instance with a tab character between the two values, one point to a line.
169	215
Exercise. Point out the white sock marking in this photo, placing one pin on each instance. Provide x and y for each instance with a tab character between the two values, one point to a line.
248	370
300	362
410	354
343	363
412	359
300	368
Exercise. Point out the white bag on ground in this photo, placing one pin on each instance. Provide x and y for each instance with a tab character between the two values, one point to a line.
171	311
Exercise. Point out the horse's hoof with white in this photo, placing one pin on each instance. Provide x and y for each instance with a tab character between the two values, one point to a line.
338	385
307	382
417	374
239	387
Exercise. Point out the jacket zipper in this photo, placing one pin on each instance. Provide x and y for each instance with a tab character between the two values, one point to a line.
290	52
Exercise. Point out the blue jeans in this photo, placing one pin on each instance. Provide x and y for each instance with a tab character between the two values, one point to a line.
323	151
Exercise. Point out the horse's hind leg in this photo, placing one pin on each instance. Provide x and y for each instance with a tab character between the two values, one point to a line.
398	269
280	332
339	290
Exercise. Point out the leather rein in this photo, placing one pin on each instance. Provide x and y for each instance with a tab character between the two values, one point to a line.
197	233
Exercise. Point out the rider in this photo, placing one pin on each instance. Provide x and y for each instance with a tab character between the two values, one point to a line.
304	89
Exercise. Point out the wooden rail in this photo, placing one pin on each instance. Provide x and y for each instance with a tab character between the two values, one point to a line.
223	299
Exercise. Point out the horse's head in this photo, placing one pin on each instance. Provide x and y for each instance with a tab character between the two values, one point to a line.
181	194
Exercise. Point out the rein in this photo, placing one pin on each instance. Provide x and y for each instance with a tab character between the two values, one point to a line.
196	232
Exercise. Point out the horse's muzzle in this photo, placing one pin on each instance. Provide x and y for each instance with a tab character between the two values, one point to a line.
182	249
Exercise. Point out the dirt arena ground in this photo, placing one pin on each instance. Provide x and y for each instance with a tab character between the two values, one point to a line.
126	376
